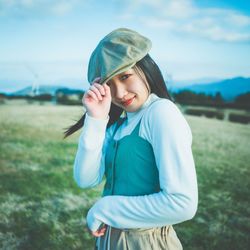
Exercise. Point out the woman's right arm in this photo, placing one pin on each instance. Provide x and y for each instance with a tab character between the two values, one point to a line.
89	160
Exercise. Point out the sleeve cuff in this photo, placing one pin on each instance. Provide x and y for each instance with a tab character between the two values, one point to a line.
93	223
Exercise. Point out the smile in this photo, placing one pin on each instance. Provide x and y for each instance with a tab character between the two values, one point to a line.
128	102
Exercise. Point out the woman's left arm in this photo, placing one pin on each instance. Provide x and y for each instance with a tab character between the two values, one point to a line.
170	136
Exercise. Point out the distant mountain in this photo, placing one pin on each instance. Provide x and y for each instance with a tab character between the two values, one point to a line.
10	86
73	83
183	83
229	88
43	89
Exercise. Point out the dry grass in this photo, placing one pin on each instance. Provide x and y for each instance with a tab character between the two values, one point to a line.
42	208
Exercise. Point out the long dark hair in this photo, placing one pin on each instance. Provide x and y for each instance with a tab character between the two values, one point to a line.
157	85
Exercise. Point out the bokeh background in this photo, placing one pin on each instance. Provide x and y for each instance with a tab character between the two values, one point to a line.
202	49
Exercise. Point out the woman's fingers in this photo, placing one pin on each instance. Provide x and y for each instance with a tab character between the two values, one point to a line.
92	94
99	232
96	91
96	234
93	91
97	79
106	88
100	88
102	230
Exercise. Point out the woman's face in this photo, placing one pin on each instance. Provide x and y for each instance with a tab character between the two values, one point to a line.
128	90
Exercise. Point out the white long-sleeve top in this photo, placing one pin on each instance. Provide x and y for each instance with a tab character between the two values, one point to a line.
166	129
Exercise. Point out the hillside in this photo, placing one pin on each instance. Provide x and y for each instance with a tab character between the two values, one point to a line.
229	88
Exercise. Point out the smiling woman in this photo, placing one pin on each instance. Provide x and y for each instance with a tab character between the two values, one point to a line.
138	138
128	90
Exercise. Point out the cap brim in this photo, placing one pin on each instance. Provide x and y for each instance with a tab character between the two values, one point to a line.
119	71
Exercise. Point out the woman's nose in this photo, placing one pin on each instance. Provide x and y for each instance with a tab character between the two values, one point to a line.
120	91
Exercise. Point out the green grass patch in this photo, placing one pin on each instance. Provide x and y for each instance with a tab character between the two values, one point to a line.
42	207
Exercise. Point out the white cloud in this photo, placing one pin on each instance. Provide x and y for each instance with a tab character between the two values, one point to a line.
238	20
183	17
180	9
62	8
27	3
159	23
31	8
215	32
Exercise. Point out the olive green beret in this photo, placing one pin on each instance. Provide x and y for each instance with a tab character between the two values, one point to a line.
116	53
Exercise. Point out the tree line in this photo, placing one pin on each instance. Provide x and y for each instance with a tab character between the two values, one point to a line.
185	97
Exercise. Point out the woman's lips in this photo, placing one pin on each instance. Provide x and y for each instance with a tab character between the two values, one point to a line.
128	102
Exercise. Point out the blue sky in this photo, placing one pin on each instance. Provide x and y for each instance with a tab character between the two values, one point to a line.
51	41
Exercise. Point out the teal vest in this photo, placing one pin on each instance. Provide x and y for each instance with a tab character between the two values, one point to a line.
130	166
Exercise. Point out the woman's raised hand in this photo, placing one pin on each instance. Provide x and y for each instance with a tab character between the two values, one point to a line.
97	100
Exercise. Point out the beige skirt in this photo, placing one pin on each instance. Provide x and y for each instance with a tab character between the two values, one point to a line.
157	238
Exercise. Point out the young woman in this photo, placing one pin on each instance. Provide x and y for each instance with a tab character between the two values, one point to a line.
135	136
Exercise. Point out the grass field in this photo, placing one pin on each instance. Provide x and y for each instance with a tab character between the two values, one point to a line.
42	208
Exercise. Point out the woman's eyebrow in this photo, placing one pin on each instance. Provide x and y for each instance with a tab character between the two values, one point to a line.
126	73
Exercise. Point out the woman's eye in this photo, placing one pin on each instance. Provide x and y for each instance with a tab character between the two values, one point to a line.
124	77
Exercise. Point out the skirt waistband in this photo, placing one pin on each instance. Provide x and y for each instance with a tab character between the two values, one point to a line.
121	237
162	230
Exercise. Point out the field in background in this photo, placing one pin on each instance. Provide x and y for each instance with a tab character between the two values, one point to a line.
42	208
